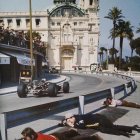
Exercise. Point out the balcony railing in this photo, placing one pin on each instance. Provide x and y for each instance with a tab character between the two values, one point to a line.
70	43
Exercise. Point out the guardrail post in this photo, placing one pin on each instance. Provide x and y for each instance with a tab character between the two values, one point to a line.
112	93
3	126
133	85
81	104
125	90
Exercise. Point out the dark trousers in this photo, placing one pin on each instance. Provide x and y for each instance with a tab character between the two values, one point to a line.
106	126
130	104
113	131
74	135
123	128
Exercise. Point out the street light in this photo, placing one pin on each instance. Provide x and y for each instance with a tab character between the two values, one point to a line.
60	48
107	58
31	45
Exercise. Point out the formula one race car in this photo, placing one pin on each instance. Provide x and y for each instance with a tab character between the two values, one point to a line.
40	87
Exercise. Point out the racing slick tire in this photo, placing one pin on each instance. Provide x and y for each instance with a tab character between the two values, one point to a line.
66	87
52	90
22	90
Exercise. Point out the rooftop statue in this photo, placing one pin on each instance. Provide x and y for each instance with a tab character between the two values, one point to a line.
64	1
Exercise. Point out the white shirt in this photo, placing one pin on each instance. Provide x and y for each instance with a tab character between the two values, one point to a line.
115	103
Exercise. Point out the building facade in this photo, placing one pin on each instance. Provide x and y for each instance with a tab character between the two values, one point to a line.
70	31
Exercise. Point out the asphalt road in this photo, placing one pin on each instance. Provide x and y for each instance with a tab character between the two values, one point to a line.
123	116
79	85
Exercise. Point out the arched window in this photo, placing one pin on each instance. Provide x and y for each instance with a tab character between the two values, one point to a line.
67	52
68	11
91	2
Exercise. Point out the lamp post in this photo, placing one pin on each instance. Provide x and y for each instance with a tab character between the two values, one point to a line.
60	48
107	58
31	45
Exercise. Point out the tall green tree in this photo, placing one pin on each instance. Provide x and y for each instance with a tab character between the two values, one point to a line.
137	44
100	55
113	52
123	30
138	30
34	34
138	51
106	52
102	49
132	46
115	15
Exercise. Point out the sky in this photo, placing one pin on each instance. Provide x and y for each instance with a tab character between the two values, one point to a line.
130	10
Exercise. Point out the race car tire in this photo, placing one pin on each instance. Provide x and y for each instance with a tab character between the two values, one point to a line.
66	87
22	90
52	90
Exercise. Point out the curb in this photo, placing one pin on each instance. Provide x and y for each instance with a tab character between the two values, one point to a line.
9	92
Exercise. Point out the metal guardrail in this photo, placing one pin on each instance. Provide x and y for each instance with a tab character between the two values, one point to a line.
21	116
130	73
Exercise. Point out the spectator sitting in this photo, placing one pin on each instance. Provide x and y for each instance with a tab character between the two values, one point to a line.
21	39
115	69
113	103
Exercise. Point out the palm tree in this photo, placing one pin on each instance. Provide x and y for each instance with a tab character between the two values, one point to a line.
138	51
138	30
106	51
100	54
137	44
123	30
113	52
115	15
102	49
132	46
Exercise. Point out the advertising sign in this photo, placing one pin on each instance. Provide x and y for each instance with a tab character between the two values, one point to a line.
4	59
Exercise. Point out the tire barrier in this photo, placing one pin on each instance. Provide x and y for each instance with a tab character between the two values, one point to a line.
21	116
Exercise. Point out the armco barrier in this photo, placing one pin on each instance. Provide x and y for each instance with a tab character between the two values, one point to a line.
21	116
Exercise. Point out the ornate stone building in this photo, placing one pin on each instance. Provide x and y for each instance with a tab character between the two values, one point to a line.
69	30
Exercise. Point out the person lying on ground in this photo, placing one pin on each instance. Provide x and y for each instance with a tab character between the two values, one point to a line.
29	134
114	103
98	122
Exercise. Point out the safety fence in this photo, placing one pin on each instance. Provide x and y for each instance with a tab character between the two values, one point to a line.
22	116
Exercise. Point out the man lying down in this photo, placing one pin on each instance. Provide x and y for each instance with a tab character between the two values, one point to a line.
98	122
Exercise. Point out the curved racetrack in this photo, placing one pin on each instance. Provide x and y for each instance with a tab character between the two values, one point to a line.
79	85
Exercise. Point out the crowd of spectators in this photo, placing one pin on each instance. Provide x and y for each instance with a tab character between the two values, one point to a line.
21	39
